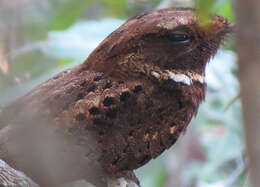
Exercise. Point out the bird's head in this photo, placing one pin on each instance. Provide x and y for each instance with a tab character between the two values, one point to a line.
166	44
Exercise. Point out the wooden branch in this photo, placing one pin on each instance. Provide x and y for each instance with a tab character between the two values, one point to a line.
248	47
10	177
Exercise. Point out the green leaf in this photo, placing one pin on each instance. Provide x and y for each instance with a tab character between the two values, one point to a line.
64	62
36	30
67	14
116	8
162	178
205	8
225	9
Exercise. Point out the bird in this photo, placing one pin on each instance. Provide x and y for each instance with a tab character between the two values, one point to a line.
128	102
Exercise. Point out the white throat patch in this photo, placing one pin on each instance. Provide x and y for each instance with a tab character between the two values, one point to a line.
186	78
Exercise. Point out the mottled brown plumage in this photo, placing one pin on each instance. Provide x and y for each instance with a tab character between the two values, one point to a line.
127	103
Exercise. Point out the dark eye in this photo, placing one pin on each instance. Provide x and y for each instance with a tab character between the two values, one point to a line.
174	37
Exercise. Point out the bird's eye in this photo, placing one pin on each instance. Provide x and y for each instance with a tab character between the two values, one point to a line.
178	38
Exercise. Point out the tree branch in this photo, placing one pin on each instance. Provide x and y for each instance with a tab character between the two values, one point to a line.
248	47
10	177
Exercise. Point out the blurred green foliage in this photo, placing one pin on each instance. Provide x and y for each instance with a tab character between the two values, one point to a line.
204	9
219	7
67	13
116	8
225	9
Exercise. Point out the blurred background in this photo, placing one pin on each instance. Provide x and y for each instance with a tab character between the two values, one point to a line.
39	38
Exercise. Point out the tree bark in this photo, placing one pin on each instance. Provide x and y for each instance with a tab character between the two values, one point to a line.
248	49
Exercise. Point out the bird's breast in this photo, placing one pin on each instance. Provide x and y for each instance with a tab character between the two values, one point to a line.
122	123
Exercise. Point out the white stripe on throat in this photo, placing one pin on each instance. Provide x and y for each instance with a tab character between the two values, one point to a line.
187	78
